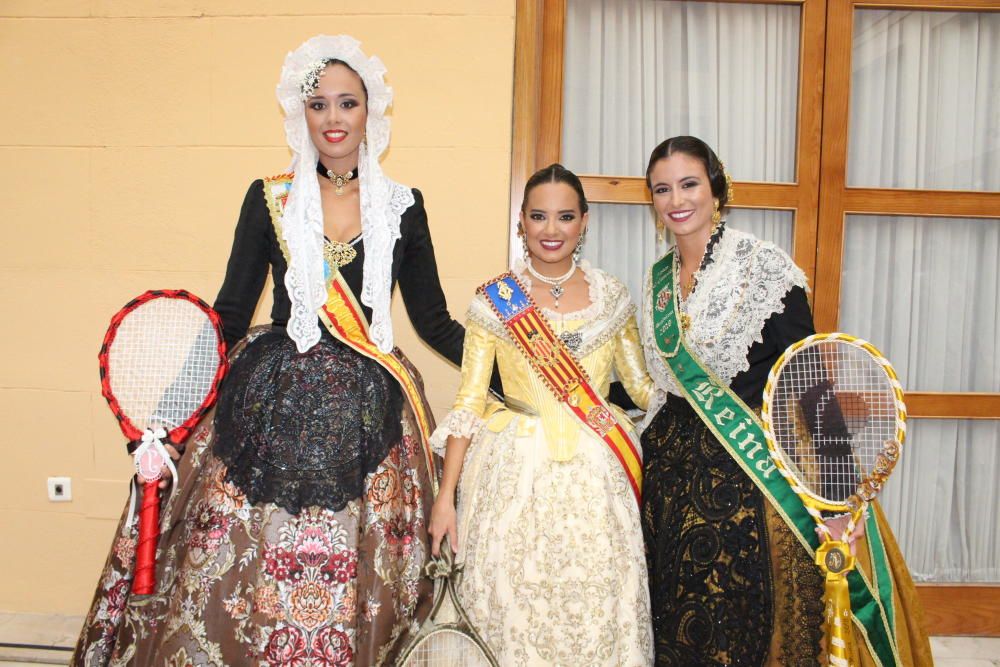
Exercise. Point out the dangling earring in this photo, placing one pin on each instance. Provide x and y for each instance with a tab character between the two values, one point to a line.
524	242
578	250
716	216
661	230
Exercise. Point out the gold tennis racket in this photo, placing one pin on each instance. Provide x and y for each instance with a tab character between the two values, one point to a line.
835	422
446	638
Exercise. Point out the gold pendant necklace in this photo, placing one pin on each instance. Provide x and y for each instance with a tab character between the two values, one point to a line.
338	253
685	319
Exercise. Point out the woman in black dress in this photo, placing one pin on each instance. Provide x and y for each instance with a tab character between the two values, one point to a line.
297	533
730	584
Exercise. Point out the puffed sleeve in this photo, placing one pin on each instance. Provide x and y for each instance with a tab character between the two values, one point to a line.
421	287
248	266
466	416
630	364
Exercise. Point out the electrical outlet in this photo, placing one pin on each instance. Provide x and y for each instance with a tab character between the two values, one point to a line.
60	489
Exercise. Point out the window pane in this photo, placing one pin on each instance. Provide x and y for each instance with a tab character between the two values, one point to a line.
926	291
621	238
943	502
778	227
925	100
637	72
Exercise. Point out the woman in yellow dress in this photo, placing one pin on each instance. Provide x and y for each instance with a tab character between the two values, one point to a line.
547	521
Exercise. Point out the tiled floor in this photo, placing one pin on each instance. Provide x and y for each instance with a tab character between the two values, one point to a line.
38	630
61	631
966	651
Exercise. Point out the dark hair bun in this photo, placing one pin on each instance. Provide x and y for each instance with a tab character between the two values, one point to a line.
555	173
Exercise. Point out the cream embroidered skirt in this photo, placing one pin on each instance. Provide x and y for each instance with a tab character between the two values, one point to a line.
554	567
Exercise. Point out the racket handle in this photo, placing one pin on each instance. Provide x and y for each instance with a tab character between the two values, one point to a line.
149	535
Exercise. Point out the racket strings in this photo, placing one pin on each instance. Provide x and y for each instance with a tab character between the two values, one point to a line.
833	411
162	362
446	647
449	641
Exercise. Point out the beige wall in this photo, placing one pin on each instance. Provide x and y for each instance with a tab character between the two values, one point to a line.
129	133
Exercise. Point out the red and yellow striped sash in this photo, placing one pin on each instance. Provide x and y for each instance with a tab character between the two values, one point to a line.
560	371
344	319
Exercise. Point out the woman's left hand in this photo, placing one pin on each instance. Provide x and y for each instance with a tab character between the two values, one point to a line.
444	521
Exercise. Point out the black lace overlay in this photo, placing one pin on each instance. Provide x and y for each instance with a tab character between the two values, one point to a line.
706	546
304	429
799	607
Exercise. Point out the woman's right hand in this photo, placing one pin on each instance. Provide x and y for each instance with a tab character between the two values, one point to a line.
444	521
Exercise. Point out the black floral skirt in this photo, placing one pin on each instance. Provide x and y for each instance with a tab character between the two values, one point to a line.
713	553
303	429
730	583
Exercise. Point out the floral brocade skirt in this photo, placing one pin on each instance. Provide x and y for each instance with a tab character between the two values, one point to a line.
242	583
729	582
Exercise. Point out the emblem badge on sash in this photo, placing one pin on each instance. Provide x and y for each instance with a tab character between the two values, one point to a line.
546	354
505	292
663	298
601	419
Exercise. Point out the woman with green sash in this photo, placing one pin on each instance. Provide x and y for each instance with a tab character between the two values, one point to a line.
546	483
732	578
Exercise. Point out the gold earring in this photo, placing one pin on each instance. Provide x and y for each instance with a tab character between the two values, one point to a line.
716	216
661	230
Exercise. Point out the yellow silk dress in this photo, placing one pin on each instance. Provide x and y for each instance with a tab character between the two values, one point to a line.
548	525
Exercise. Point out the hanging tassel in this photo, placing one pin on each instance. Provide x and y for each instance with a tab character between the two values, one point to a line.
835	558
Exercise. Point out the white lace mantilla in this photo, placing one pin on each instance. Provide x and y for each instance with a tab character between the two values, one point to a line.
737	292
609	310
382	200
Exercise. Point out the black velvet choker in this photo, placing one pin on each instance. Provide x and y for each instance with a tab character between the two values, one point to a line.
323	171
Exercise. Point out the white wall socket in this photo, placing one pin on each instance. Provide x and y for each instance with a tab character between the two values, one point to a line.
60	489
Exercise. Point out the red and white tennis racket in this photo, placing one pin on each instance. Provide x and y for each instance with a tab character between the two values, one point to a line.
162	360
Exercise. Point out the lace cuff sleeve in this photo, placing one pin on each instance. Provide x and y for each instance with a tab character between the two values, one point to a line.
461	423
478	354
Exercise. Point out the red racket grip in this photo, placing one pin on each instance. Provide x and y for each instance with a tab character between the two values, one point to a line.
149	534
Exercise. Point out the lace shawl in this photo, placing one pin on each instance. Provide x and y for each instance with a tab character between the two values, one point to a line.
609	310
737	292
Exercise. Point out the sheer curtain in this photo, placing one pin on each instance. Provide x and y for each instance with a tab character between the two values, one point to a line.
925	100
638	72
925	113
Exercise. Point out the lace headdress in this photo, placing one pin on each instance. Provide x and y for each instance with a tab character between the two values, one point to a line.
382	200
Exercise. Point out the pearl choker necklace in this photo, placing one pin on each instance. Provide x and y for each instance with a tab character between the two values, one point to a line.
557	289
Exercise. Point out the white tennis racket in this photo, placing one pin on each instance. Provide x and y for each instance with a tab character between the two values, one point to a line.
835	421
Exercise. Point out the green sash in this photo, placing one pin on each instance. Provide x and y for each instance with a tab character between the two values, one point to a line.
739	430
